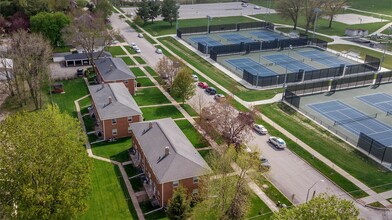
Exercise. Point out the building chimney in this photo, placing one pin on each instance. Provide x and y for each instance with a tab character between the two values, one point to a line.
167	151
149	125
110	99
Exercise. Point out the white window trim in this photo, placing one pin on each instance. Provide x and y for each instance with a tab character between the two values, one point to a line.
114	133
130	119
176	185
195	180
114	121
129	129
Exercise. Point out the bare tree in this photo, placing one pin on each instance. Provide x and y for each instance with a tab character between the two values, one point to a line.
199	102
332	7
89	32
290	9
309	9
168	68
6	74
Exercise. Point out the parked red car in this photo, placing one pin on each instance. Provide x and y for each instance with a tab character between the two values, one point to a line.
203	85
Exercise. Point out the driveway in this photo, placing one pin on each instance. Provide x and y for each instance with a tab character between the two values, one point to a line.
130	36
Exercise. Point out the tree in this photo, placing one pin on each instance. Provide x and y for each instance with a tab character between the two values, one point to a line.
50	25
31	54
19	21
225	196
178	207
155	9
321	207
44	167
170	11
332	7
290	9
32	7
168	68
183	85
309	10
143	10
89	32
104	7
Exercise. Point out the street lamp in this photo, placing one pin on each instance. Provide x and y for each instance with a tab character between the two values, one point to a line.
307	195
360	20
209	18
317	11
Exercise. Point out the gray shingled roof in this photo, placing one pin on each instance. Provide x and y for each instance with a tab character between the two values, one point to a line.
80	56
112	69
123	104
183	160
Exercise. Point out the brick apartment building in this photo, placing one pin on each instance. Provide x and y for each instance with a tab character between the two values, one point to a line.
114	110
111	70
167	158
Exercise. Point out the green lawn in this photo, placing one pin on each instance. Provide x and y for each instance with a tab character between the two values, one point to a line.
119	38
197	140
108	200
116	50
113	150
322	24
189	109
144	82
257	208
137	184
380	6
74	89
61	49
363	51
139	60
89	123
215	74
137	71
158	215
130	49
164	28
130	170
164	51
359	165
288	30
151	71
205	154
169	111
150	96
128	61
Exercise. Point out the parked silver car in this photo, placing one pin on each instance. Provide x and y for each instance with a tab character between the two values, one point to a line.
277	142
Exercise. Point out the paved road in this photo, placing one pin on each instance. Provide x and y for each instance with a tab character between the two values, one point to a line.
214	10
130	36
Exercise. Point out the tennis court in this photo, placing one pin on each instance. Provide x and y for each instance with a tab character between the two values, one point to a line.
267	35
324	58
251	66
236	38
381	101
354	120
288	62
206	41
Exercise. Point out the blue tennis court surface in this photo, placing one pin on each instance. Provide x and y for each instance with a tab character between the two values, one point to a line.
267	35
321	57
206	41
381	101
338	111
285	61
236	38
251	66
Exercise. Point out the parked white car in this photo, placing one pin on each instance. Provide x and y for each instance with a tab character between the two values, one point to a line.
195	78
260	129
277	142
140	35
138	50
158	51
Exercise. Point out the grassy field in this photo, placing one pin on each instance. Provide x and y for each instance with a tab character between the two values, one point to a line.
363	51
163	28
139	60
137	71
169	111
257	208
379	6
197	140
130	50
151	71
128	61
150	96
108	200
189	109
61	49
322	24
215	74
144	81
116	50
114	150
288	30
359	166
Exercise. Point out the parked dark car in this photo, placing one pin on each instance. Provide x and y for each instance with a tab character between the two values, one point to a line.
211	90
79	72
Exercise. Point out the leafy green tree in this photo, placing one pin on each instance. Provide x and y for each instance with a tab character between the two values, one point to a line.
155	10
44	167
178	207
170	11
143	10
322	207
183	86
104	7
50	26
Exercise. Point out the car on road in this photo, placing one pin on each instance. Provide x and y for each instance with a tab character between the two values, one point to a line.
260	129
158	51
203	85
138	50
264	163
140	35
195	78
211	90
277	142
134	46
219	97
257	7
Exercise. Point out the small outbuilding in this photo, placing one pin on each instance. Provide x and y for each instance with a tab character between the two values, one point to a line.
356	32
81	59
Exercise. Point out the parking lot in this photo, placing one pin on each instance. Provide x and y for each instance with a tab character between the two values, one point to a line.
59	72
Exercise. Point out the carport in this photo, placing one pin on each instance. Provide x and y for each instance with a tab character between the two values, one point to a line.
81	59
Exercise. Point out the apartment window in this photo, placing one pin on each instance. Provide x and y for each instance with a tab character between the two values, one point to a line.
196	179
130	119
114	132
114	121
126	81
175	184
129	129
195	192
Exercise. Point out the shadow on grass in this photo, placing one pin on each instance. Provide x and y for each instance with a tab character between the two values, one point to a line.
117	151
120	179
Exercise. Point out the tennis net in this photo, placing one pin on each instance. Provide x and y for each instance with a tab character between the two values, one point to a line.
351	120
282	63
